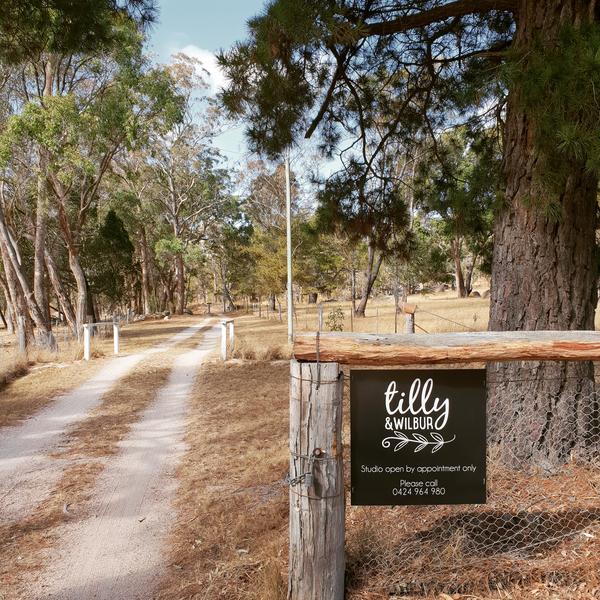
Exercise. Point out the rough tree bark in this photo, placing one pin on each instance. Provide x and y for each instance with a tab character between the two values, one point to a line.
544	277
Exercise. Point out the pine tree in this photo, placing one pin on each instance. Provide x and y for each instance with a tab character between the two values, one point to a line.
530	68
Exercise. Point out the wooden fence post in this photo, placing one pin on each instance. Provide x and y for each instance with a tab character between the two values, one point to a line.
409	317
317	559
320	317
87	345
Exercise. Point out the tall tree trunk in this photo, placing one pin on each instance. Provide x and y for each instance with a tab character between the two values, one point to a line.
63	298
10	256
353	288
39	283
71	241
79	275
180	277
458	270
90	311
41	213
145	272
544	277
10	312
469	274
373	266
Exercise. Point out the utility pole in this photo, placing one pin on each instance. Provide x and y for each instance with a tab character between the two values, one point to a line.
288	216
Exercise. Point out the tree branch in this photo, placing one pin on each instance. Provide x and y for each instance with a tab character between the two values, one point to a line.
460	8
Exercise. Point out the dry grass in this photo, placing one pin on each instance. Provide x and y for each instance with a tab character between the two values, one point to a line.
39	385
23	545
230	540
46	375
436	313
13	366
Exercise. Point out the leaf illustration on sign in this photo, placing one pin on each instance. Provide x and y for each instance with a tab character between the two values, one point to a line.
440	442
400	445
421	441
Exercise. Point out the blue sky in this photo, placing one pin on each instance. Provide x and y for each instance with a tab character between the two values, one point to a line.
207	24
200	28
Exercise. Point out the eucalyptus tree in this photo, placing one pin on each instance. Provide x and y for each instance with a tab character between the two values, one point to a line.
190	189
78	111
265	207
528	68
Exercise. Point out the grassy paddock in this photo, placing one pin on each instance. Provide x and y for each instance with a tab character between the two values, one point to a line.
231	538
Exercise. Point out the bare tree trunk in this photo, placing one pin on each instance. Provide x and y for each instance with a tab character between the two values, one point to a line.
353	289
145	272
469	274
180	277
81	303
10	253
63	298
373	266
39	283
544	277
458	271
10	322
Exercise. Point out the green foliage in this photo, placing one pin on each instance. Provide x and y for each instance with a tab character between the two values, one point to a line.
167	249
79	129
108	258
362	209
29	27
459	182
558	83
430	258
318	261
314	66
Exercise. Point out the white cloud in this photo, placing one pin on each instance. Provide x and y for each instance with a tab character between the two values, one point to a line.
216	77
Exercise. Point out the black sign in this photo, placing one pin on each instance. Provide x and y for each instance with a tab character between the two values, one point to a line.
418	437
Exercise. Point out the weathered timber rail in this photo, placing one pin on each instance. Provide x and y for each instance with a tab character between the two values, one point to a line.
316	565
446	348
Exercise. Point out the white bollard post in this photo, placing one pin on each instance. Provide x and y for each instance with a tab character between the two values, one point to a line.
116	337
231	337
223	340
87	346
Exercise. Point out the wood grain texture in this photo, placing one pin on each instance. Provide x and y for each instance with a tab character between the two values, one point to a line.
317	560
447	348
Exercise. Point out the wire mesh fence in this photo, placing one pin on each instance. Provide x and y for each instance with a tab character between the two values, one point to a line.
541	522
381	316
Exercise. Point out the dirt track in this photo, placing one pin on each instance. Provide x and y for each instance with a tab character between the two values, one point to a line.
115	549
